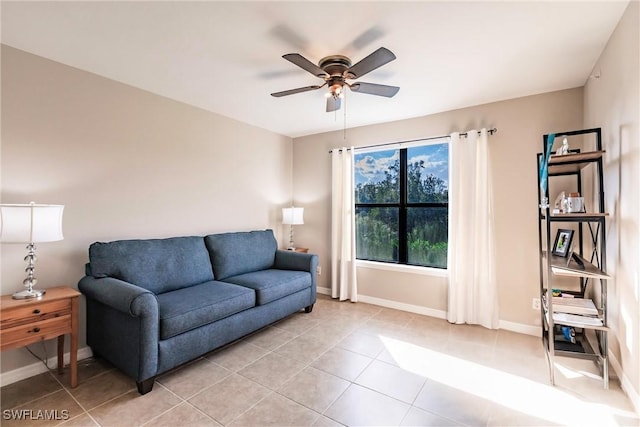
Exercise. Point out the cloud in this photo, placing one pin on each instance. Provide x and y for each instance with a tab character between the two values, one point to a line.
371	168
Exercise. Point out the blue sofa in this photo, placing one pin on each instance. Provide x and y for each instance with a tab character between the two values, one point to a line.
155	304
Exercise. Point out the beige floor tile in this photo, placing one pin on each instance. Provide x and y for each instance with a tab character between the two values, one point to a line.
512	342
303	349
297	323
435	330
314	389
29	389
391	381
230	398
501	416
380	328
394	317
102	388
323	421
473	334
418	417
270	338
359	406
526	365
49	410
133	409
193	378
277	410
342	363
452	403
470	351
87	369
365	344
272	370
182	415
331	331
82	420
237	355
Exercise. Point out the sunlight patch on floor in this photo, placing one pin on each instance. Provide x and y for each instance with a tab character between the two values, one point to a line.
511	391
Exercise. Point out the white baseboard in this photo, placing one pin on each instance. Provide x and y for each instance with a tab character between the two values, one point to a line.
411	308
323	291
631	393
38	367
520	328
440	314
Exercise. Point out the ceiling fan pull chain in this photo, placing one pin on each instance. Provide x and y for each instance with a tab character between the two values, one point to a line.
344	125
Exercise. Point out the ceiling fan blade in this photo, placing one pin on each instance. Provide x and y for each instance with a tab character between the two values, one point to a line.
371	62
290	36
368	37
293	91
305	64
333	103
374	89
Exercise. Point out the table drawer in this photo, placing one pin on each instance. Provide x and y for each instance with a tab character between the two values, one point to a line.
34	312
42	330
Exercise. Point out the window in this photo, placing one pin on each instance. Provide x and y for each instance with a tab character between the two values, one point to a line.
402	198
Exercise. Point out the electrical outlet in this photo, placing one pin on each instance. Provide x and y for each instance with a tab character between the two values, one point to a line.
535	303
318	270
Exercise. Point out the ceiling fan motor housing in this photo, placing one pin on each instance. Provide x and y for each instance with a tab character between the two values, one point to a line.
335	65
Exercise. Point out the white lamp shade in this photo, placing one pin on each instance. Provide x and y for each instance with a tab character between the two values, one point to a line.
292	216
30	223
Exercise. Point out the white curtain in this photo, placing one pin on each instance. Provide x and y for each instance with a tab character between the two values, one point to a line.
343	230
473	295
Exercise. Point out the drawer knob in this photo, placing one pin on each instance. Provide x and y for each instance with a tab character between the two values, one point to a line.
36	329
36	311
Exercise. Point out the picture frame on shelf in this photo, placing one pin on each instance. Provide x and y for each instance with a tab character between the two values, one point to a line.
562	244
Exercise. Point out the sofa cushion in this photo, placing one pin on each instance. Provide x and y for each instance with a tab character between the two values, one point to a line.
189	308
159	265
272	284
237	253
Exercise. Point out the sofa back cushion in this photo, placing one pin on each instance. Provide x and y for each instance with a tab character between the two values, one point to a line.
159	265
242	252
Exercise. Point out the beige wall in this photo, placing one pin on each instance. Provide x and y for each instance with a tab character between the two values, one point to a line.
521	124
612	103
126	164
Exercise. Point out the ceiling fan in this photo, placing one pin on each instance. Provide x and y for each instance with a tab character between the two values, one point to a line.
336	70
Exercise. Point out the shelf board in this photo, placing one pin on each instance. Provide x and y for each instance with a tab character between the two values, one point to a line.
573	320
571	163
585	216
583	350
561	266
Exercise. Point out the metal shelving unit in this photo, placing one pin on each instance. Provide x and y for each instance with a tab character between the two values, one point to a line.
591	332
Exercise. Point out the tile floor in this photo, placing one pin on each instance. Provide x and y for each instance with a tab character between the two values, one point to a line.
343	364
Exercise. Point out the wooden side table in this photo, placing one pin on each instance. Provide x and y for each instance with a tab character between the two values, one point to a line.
27	321
305	250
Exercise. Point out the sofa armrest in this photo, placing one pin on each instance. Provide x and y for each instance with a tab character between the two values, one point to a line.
290	260
123	325
120	295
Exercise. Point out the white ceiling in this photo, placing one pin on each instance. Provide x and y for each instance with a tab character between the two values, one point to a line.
225	57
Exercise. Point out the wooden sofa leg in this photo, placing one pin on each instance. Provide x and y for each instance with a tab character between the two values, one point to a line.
145	386
308	309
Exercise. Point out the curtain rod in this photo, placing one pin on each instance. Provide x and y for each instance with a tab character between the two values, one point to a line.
490	131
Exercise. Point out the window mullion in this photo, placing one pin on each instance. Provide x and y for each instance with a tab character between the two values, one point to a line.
402	214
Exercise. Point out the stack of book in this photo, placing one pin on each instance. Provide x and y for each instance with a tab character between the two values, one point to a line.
575	310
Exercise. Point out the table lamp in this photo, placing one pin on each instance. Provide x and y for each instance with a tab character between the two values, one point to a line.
292	216
30	223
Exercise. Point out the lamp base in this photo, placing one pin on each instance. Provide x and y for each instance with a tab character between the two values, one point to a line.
33	293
